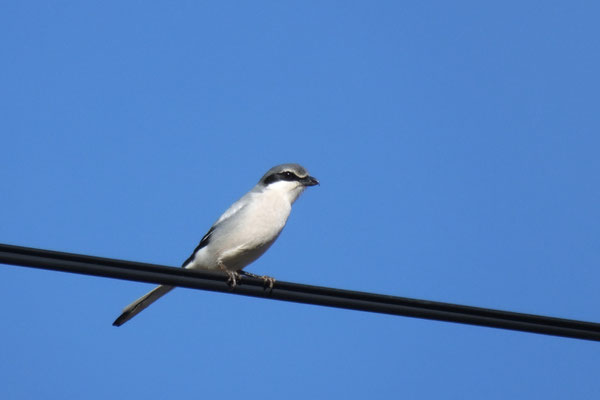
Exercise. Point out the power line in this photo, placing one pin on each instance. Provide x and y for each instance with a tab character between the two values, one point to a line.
287	291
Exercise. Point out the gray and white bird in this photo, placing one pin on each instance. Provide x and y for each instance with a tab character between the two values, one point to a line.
243	233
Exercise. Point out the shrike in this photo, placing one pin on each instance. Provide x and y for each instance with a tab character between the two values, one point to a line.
243	233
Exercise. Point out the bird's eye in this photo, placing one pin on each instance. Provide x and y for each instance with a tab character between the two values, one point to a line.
288	174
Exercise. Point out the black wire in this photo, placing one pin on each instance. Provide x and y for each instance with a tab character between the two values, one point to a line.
287	291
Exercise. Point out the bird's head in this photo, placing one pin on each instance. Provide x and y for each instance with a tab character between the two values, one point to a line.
289	179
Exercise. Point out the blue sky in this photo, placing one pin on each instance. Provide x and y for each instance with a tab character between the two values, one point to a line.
457	148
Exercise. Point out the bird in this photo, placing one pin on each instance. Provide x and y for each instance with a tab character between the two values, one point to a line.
242	234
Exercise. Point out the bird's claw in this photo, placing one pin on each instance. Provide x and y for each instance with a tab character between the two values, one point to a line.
233	278
269	282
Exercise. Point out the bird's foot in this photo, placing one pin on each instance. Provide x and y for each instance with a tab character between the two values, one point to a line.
232	278
269	281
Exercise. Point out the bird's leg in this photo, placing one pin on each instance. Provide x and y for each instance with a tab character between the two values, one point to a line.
233	276
268	280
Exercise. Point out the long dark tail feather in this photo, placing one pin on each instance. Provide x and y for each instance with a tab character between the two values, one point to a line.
140	304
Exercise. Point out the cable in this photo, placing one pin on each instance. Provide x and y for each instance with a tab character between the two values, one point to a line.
287	291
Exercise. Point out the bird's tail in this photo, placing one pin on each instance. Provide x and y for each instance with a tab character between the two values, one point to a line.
140	304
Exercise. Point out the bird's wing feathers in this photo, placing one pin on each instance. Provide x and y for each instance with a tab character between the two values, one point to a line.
231	211
203	242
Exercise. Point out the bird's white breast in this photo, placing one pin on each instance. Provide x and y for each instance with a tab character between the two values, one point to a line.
246	233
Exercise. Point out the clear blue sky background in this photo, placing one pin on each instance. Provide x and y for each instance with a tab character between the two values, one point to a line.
457	144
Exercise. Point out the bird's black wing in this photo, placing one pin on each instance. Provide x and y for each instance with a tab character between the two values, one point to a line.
203	242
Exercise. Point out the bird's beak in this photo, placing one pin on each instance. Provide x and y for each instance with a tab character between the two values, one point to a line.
309	181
